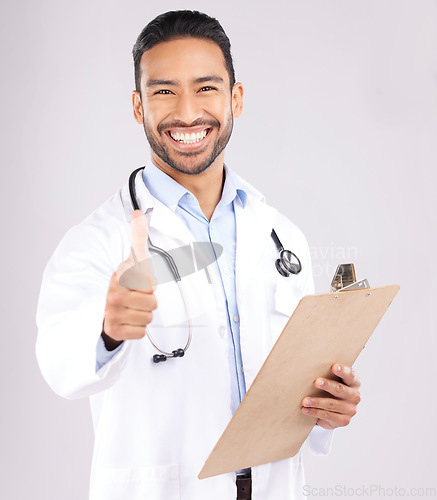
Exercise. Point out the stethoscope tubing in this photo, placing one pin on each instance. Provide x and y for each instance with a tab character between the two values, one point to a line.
284	265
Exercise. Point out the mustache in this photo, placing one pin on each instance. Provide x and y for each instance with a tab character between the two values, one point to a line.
199	122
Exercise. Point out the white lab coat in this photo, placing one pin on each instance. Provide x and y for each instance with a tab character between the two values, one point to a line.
155	425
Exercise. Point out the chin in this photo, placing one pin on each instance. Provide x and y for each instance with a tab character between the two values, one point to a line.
190	169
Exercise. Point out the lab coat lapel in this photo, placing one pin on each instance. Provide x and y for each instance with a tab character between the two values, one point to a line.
165	220
254	226
160	217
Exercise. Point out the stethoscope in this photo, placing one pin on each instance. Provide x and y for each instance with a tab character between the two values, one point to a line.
287	264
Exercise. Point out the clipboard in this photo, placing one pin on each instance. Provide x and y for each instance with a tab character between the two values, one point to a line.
324	329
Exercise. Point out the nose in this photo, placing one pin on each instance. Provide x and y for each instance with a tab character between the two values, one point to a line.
187	109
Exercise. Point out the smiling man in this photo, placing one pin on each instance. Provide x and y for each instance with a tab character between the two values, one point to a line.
186	100
158	416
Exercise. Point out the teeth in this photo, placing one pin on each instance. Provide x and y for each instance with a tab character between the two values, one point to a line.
189	138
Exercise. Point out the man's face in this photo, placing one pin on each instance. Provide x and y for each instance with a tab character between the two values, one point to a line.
186	105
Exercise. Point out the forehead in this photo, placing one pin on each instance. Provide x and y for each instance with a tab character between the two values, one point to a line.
183	59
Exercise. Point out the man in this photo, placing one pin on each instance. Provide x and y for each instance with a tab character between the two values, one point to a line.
156	423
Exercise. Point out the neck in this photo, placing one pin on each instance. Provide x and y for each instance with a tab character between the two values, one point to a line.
206	186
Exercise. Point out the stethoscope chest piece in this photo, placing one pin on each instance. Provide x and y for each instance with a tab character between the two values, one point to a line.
288	262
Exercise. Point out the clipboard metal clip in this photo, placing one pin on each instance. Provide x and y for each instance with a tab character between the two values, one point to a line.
345	279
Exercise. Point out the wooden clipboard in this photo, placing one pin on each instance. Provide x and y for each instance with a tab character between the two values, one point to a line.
324	329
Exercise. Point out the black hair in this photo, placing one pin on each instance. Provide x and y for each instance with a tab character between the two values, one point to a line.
182	24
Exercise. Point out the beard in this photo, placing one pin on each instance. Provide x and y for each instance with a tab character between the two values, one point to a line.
189	163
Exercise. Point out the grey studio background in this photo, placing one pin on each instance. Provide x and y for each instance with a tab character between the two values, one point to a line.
339	132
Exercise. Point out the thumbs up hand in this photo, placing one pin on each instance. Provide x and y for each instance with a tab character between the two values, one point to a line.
134	273
130	299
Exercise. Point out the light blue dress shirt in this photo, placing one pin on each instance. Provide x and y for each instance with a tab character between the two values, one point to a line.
222	230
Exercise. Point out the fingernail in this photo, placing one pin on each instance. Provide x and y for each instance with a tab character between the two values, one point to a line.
307	402
321	382
306	410
339	368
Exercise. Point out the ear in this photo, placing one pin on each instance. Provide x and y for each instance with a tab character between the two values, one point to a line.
237	99
138	109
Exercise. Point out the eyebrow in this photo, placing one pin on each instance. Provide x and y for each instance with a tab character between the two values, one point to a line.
209	78
203	79
157	81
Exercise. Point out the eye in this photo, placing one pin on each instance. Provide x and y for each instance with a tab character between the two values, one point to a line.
163	92
204	89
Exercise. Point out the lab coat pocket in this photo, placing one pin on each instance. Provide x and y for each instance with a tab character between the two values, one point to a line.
287	297
140	483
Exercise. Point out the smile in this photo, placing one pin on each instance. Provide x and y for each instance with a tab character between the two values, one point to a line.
189	138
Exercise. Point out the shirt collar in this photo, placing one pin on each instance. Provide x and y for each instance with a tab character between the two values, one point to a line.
169	192
162	186
233	187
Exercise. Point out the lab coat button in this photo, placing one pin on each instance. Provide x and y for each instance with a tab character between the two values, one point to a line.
236	318
222	331
242	369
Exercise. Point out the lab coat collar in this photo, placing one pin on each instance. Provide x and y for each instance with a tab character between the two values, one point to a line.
249	229
158	215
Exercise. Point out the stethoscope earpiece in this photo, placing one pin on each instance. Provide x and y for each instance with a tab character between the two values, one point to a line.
157	358
177	353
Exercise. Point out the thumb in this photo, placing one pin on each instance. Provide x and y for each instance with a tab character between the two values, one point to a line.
140	233
134	273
